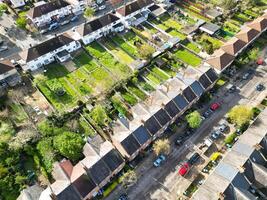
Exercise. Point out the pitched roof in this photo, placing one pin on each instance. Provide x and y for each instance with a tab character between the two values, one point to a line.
69	193
96	24
180	101
162	117
141	135
247	34
189	94
233	46
220	59
99	171
210	28
212	75
45	8
204	81
172	109
113	159
6	66
134	6
130	144
84	184
197	88
152	125
258	24
45	47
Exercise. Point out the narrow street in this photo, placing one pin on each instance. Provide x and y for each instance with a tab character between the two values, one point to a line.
164	182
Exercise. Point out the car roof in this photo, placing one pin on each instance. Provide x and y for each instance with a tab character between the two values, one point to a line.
183	170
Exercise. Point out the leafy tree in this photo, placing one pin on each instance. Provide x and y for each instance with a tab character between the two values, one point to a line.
227	4
3	171
129	178
21	22
193	119
3	8
208	47
88	12
20	180
99	115
69	144
240	115
146	51
46	150
161	146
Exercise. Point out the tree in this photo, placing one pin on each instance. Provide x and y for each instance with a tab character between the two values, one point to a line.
193	119
161	146
69	144
227	4
208	47
46	150
129	178
21	22
3	8
146	51
240	115
99	115
88	12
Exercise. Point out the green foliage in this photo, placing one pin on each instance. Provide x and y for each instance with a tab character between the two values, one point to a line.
88	12
240	115
118	105
47	152
69	144
146	51
99	115
21	22
230	139
129	98
3	8
193	119
187	57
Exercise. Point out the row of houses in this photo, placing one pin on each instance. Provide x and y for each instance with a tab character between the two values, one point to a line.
224	57
44	13
60	47
105	159
242	174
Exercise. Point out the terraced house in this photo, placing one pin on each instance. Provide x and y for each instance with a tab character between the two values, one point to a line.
135	12
55	49
152	117
8	75
86	178
45	14
97	28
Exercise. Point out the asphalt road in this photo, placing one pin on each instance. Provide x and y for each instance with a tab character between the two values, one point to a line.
164	182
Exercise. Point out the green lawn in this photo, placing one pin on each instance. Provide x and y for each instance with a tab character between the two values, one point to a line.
159	73
187	57
118	69
137	92
169	22
215	42
175	33
125	46
192	46
121	55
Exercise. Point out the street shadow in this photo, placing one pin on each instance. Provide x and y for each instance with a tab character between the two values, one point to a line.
12	47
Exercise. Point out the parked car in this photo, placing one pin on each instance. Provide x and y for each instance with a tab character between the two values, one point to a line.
215	134
232	89
260	87
3	48
223	127
180	140
123	197
103	7
207	113
194	158
184	169
159	161
246	76
215	106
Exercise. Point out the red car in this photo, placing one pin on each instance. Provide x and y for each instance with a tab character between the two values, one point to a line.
184	169
215	106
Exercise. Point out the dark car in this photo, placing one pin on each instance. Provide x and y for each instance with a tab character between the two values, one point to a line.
180	140
123	197
194	158
260	87
232	89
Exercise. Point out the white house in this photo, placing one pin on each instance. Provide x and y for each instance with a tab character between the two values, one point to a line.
17	3
135	12
45	12
99	27
55	49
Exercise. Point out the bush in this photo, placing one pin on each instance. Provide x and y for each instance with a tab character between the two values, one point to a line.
230	139
21	22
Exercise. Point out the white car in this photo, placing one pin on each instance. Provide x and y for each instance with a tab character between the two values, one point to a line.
102	7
